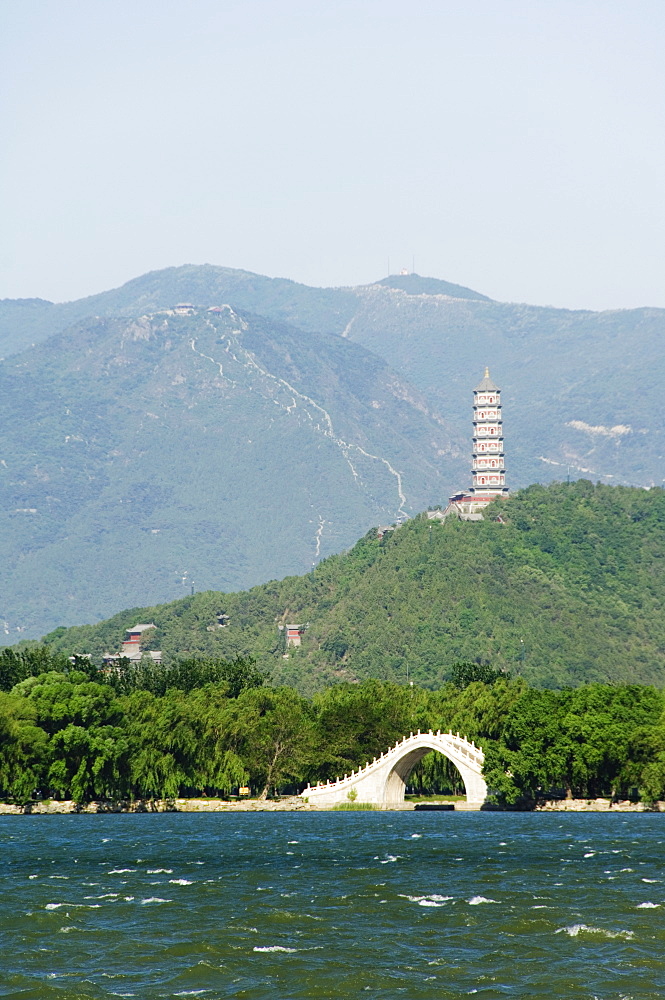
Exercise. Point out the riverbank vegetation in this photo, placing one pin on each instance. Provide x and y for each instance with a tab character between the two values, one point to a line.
71	730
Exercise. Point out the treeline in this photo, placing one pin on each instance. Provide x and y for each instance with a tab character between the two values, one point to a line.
68	730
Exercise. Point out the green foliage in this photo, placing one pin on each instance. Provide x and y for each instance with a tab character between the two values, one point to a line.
237	675
272	730
64	735
17	664
463	674
506	598
591	741
356	722
354	807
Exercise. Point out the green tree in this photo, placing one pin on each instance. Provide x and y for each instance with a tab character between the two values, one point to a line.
356	722
271	730
24	751
17	664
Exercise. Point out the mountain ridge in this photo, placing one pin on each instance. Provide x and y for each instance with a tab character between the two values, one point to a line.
327	309
590	361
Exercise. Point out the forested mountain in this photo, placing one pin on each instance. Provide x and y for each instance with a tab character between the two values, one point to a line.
142	456
562	585
132	465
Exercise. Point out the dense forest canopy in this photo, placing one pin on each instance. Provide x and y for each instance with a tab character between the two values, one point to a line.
71	730
560	584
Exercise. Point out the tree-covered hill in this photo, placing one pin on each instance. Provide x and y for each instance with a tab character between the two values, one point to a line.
563	584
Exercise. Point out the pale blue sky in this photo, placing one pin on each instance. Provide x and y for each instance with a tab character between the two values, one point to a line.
516	147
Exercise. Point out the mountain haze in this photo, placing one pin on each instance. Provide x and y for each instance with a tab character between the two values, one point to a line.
141	457
328	310
577	384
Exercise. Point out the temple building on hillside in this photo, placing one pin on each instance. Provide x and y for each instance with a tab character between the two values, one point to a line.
294	634
488	471
131	648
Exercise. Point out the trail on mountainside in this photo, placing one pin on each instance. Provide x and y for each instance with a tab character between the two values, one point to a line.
248	361
318	535
207	357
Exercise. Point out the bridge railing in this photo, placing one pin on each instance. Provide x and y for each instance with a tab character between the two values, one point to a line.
465	748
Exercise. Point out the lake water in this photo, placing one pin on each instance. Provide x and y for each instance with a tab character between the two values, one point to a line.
332	905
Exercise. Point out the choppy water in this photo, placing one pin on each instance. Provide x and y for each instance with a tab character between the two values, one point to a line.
332	905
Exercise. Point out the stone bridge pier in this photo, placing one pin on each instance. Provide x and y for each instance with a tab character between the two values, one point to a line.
383	781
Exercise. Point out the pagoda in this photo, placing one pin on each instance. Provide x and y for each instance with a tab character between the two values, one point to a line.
488	470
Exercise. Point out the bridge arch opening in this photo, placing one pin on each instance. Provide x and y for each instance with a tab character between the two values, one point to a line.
435	775
397	780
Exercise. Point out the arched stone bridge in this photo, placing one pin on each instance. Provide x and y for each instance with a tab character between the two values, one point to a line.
383	781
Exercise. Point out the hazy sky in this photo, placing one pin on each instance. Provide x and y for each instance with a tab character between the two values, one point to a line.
516	147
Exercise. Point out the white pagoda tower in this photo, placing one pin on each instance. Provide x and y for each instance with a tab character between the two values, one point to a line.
488	466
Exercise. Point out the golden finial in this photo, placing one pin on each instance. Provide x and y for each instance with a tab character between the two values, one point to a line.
487	371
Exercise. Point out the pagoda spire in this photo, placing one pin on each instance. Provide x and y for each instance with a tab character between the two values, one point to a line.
488	464
488	470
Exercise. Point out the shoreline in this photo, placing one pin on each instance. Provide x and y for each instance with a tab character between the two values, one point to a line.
292	803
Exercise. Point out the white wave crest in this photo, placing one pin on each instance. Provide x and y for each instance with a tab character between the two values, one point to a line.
81	906
432	900
574	930
274	947
180	881
476	900
154	899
